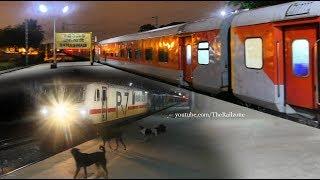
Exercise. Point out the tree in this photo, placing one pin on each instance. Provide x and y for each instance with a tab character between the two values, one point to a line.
36	34
146	27
254	4
15	36
171	24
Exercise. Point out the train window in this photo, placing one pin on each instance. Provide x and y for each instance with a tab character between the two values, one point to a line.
300	57
98	95
104	95
149	54
163	55
78	92
122	53
137	54
253	53
144	97
203	53
188	54
111	54
129	53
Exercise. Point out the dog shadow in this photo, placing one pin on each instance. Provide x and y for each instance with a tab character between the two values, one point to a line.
156	164
92	173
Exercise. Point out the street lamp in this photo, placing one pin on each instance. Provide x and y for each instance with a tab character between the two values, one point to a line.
27	39
65	9
223	13
43	8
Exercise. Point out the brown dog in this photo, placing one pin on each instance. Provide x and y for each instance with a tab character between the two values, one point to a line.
84	160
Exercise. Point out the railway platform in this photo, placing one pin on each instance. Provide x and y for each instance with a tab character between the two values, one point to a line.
209	139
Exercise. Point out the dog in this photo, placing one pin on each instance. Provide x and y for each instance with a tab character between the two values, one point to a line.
85	159
108	135
146	132
160	129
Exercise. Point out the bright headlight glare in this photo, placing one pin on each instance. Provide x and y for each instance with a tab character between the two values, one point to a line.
44	111
60	110
83	112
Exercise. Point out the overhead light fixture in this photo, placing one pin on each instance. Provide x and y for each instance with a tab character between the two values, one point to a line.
223	13
43	8
65	9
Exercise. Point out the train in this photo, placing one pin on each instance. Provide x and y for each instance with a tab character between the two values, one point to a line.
95	102
70	112
266	56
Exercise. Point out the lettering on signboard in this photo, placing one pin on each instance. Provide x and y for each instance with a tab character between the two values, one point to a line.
73	40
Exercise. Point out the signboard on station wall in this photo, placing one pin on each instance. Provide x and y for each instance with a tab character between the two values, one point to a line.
74	40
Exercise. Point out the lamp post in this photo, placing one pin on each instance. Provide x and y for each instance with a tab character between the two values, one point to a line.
156	19
27	39
54	65
43	8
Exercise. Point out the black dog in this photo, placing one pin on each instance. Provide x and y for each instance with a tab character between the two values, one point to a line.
154	131
108	135
84	160
161	128
147	132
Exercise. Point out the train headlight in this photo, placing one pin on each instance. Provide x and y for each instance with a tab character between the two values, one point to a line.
60	110
44	111
83	112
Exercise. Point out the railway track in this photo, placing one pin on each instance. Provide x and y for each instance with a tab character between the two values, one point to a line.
13	142
32	153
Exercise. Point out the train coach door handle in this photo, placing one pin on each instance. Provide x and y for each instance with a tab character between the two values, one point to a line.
278	67
316	70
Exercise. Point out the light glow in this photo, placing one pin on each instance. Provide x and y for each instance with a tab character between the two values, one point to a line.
223	13
43	8
65	9
60	110
44	111
83	112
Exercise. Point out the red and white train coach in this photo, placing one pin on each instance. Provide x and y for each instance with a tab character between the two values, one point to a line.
267	56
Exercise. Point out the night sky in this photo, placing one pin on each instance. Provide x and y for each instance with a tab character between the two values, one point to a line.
107	19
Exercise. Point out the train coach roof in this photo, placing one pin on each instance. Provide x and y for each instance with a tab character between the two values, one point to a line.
200	25
203	25
286	11
165	31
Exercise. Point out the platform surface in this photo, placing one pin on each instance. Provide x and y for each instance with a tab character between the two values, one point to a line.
255	146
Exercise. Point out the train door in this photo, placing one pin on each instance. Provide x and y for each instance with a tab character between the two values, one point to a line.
104	108
299	65
186	54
